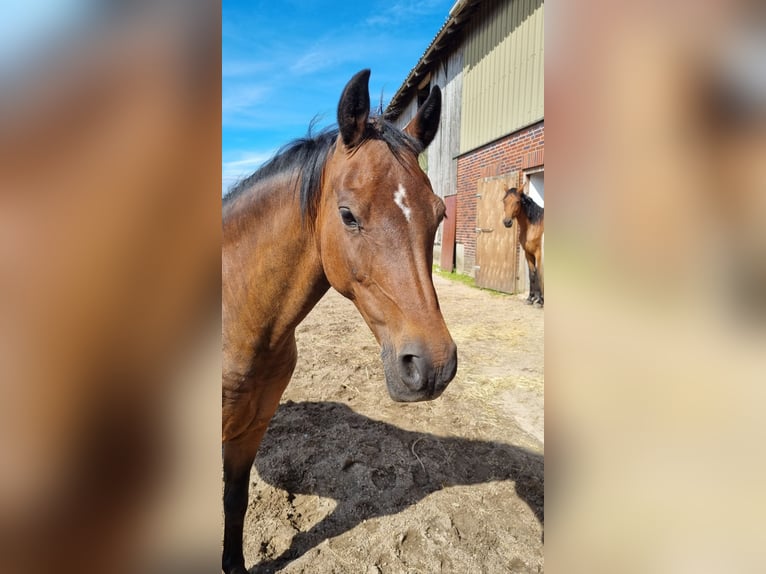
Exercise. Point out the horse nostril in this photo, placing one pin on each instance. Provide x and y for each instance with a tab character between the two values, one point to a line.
412	370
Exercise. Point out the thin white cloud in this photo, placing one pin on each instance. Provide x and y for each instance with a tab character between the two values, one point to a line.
243	104
399	12
317	58
239	168
243	68
240	97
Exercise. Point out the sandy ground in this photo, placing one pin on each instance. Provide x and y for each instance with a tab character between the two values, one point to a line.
347	481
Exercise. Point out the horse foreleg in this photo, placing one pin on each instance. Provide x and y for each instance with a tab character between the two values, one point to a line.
532	277
246	417
540	275
238	456
237	460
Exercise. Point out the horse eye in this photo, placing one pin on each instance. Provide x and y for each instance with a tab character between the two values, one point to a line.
348	218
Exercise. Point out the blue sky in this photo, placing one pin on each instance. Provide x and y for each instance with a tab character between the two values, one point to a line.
286	62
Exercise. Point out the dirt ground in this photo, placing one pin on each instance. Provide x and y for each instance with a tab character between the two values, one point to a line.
348	481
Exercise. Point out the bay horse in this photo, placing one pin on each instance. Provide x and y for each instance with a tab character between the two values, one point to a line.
349	208
531	217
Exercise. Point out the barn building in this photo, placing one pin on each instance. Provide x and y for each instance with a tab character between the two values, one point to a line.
488	60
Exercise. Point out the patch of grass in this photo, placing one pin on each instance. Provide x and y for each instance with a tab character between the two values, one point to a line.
466	280
458	277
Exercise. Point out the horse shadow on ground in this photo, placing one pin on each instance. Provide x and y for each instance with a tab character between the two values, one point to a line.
372	468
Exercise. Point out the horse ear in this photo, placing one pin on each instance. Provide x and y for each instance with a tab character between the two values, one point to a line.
354	108
424	125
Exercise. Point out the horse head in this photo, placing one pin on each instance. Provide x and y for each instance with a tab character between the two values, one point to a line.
375	227
511	206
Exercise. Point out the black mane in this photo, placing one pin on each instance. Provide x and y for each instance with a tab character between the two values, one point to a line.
534	212
304	159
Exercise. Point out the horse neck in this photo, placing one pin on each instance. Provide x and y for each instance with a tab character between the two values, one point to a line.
272	262
523	219
528	204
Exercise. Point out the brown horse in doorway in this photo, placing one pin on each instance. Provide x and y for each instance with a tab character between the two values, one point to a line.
531	217
349	208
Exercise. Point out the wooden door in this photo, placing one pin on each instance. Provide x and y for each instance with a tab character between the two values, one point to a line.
497	247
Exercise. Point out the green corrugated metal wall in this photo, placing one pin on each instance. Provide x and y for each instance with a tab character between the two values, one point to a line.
503	74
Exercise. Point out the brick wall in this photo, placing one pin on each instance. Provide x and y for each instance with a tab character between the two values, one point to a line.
516	152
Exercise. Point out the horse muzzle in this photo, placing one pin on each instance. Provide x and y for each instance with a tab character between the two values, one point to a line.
412	375
508	223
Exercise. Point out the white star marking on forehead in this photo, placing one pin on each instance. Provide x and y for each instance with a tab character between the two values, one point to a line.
399	197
